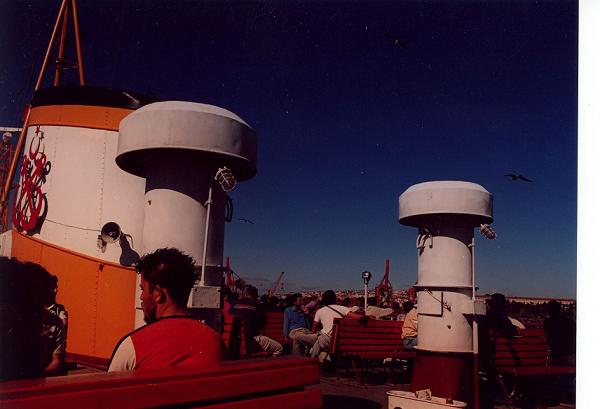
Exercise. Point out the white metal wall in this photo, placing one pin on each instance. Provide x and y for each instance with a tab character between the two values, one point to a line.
85	189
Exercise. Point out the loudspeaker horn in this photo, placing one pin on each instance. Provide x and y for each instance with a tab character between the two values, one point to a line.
110	232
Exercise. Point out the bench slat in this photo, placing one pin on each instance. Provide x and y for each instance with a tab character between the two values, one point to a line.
310	399
387	354
371	340
522	348
526	355
544	371
229	380
516	362
372	323
375	348
521	341
356	332
356	342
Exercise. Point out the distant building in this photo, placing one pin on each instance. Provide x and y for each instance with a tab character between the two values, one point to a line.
531	300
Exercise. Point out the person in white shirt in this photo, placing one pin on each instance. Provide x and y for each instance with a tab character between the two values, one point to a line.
323	322
373	310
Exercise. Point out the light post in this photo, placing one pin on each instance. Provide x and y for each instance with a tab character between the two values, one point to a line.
227	182
366	276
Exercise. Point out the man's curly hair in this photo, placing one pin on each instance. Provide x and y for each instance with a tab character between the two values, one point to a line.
171	269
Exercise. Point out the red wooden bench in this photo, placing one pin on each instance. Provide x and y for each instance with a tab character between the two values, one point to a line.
519	359
232	334
289	382
274	327
366	342
238	347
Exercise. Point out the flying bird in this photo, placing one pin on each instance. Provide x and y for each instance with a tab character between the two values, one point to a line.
397	41
246	221
513	176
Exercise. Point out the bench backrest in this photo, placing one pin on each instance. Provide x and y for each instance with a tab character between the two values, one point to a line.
274	327
264	383
352	336
528	348
231	334
235	340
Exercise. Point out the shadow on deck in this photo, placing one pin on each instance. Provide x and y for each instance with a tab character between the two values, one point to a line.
345	392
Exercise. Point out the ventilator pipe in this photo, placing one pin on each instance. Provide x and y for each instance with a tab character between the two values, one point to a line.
205	248
475	334
447	210
227	182
487	232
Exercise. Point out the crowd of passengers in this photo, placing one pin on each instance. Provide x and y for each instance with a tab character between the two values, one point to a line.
33	330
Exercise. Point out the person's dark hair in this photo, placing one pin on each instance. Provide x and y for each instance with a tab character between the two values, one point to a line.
498	301
328	298
21	310
372	301
228	295
292	298
273	302
252	292
170	269
553	308
43	283
407	306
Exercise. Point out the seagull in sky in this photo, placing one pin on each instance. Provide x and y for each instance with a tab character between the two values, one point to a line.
246	221
513	176
397	41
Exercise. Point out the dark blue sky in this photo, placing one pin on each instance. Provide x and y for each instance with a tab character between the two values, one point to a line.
347	121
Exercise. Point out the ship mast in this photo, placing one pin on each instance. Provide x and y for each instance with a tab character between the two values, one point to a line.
68	8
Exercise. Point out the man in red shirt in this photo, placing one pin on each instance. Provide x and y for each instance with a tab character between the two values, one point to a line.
171	338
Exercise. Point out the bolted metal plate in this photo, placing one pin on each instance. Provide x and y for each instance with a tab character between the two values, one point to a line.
205	297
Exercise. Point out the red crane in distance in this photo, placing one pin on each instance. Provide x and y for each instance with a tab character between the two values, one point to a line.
271	292
235	285
384	290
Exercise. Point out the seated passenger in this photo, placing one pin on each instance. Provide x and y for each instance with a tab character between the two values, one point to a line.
21	311
171	338
409	327
296	325
498	322
324	319
310	306
560	334
54	322
373	310
255	318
